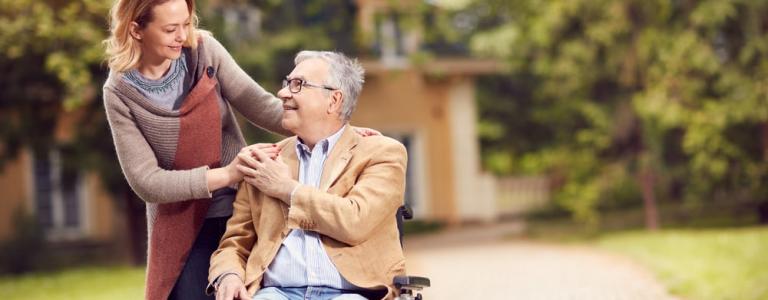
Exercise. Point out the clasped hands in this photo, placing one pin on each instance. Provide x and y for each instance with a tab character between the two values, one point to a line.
262	166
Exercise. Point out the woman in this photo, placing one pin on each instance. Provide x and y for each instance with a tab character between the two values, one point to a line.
169	100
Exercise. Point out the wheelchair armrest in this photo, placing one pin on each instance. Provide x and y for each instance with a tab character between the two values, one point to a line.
411	282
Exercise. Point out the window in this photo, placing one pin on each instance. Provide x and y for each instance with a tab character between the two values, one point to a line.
58	197
389	36
415	182
391	43
243	22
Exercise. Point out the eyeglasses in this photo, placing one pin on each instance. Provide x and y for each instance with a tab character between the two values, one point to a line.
294	85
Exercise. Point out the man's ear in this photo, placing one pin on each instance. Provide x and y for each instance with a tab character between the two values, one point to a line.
134	31
337	99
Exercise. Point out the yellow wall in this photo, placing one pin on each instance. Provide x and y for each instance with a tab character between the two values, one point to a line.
101	222
400	101
103	217
13	184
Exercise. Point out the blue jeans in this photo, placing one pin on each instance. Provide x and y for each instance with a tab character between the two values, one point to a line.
308	293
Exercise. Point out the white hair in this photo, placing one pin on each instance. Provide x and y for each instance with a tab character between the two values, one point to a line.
344	73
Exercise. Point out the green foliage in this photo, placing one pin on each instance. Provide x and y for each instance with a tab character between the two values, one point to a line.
22	252
712	264
65	34
599	90
50	55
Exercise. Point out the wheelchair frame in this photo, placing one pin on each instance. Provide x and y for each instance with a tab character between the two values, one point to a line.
408	286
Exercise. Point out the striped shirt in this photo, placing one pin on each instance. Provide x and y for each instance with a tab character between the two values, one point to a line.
302	260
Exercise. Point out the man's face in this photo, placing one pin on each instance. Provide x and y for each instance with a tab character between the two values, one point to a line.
310	106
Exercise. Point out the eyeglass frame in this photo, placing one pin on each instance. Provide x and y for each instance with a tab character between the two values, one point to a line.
304	83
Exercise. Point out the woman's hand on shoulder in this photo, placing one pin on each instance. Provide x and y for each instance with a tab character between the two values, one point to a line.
269	149
365	132
235	174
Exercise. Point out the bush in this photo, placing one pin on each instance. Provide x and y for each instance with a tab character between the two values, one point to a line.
22	252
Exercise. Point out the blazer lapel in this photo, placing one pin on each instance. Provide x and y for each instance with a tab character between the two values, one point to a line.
288	154
339	157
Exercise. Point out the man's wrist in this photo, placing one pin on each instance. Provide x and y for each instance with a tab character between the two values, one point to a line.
221	277
290	187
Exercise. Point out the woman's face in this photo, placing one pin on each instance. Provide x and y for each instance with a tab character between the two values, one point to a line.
162	38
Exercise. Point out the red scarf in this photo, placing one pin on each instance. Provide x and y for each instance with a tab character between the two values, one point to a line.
178	224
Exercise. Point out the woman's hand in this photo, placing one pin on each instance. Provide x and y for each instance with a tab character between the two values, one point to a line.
364	131
235	176
271	176
269	149
230	174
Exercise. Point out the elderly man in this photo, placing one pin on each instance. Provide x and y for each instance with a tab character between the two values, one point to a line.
317	222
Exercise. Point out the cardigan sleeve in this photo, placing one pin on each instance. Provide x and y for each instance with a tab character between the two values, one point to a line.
139	163
260	107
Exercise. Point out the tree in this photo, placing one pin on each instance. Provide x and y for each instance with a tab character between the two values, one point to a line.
656	96
52	58
50	96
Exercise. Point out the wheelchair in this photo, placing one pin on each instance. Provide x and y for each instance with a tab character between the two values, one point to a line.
408	286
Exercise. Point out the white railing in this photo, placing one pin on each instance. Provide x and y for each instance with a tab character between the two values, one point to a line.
521	195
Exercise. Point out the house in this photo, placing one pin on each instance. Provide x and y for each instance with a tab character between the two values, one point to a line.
74	212
429	105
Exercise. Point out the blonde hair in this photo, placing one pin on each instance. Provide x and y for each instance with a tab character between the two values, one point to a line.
123	52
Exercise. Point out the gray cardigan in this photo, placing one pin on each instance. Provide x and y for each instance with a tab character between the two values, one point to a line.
146	135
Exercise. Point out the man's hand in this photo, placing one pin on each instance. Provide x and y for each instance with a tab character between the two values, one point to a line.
233	175
231	287
271	177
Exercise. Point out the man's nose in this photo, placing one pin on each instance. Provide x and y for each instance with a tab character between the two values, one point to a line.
284	93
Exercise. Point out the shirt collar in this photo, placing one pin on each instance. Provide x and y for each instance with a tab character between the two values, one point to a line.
326	144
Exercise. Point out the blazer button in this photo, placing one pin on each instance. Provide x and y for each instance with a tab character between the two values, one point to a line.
209	71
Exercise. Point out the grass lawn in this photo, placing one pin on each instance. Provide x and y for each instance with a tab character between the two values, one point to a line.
701	264
85	283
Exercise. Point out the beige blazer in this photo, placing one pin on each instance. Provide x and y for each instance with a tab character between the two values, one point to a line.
361	188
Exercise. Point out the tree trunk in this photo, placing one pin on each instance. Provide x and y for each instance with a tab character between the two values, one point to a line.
764	140
647	185
762	212
762	207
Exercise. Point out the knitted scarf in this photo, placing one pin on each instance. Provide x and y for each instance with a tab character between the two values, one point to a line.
178	224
